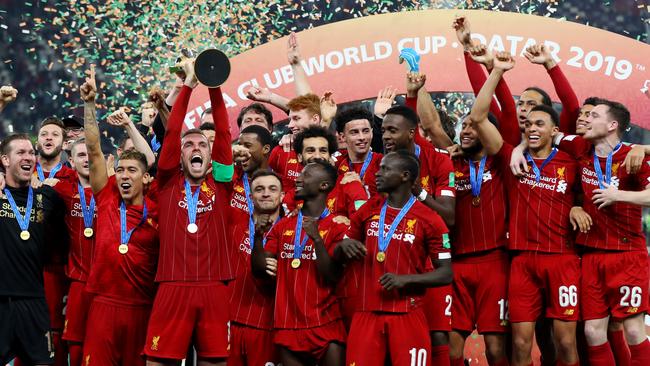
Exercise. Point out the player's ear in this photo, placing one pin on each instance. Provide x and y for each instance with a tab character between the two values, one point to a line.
266	149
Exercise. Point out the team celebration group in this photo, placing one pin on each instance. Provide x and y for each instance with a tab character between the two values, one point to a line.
364	238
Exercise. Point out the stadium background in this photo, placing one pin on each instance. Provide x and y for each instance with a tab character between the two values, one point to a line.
47	44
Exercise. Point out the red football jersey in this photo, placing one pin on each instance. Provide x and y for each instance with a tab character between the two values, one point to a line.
251	300
64	174
421	234
286	165
539	211
81	247
238	197
484	226
436	171
340	201
303	298
342	162
619	226
127	278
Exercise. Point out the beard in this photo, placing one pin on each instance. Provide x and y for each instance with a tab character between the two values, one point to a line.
474	149
54	154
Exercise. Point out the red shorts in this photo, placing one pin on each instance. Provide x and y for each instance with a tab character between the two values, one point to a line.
614	283
544	280
56	285
115	333
313	341
480	292
76	313
251	346
437	308
184	312
403	336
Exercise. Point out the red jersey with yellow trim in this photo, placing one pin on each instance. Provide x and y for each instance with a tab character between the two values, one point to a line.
286	165
436	171
342	163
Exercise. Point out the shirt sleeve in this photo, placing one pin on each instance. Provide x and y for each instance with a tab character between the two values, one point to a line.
643	176
575	145
437	239
477	78
357	225
170	154
570	103
222	164
273	159
356	196
445	184
337	234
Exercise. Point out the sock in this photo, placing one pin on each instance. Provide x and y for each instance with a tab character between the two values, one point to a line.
440	355
640	354
601	355
619	347
76	354
457	361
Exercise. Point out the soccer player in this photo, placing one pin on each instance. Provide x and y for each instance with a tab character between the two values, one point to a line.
31	219
354	127
307	319
615	264
251	300
545	270
393	237
126	249
194	263
7	95
208	130
255	114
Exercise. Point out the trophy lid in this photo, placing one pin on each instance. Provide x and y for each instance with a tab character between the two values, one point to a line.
212	68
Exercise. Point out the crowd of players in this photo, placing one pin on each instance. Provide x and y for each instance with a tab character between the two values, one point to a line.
335	247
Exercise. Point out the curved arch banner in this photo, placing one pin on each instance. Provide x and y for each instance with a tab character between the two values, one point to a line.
356	58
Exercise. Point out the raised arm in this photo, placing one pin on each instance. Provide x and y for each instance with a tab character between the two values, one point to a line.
295	60
96	163
120	119
264	95
487	132
222	165
7	95
430	118
414	82
539	54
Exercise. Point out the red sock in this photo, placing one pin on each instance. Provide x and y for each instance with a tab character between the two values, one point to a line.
440	355
457	361
503	362
619	347
76	354
601	355
640	354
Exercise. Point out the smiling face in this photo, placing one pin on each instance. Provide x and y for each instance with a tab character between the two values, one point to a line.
310	182
79	160
539	130
469	140
397	132
266	194
599	124
390	175
253	119
50	141
129	177
20	160
357	135
300	120
195	155
527	101
314	148
256	149
581	122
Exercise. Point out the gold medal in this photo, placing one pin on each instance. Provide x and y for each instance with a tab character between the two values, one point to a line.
295	263
88	232
24	235
476	201
381	257
123	248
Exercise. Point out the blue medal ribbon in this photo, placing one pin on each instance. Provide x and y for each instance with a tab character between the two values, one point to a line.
23	220
384	241
249	204
476	177
536	170
41	175
88	211
125	235
192	201
299	246
364	167
417	151
608	167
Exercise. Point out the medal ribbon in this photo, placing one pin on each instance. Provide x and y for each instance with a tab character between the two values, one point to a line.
365	165
536	170
192	201
23	220
299	246
476	177
125	235
608	167
41	175
384	241
417	151
88	211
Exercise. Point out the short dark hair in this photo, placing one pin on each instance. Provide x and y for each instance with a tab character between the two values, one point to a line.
192	131
123	141
330	171
548	110
593	101
206	126
315	131
408	161
618	112
4	145
265	173
53	120
350	114
405	112
546	99
263	135
257	108
135	155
